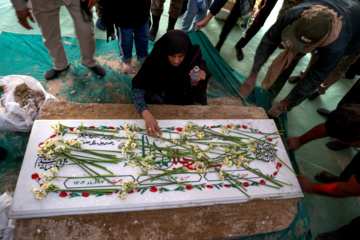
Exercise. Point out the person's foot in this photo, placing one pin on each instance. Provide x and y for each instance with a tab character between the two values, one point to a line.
100	25
334	235
239	53
52	73
324	112
98	70
128	68
294	79
3	153
335	145
219	45
313	95
326	177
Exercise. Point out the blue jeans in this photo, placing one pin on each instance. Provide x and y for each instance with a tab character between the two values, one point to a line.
126	37
193	11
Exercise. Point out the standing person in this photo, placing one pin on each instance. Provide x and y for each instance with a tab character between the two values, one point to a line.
344	125
330	27
157	8
265	9
164	77
47	14
130	26
197	10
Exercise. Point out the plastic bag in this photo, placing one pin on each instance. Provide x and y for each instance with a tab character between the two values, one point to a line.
13	116
6	226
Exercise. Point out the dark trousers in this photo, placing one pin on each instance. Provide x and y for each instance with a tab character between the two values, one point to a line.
352	96
230	21
264	12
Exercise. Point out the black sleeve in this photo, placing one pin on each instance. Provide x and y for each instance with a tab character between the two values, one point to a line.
216	6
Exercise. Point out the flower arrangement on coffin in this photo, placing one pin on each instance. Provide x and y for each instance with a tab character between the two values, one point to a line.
194	144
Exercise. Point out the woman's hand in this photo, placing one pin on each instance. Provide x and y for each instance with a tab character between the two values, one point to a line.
151	125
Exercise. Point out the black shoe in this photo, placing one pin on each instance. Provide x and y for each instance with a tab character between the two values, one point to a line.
326	177
239	53
313	95
3	153
171	24
219	45
52	73
154	28
294	79
335	145
334	235
324	112
97	69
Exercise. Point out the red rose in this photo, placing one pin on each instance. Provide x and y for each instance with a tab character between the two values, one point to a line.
91	127
226	185
246	184
269	139
270	175
228	126
220	185
275	173
203	186
244	126
212	126
262	182
189	187
260	131
71	194
117	128
139	190
130	192
40	144
111	128
207	127
85	194
116	191
153	189
63	194
160	189
52	136
179	129
71	129
35	176
209	186
279	165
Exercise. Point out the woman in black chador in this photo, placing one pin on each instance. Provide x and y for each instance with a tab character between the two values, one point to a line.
164	77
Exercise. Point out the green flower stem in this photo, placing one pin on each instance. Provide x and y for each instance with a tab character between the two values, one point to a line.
286	165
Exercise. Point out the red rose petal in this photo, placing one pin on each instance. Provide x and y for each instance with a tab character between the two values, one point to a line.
226	185
246	184
85	194
63	194
35	176
153	189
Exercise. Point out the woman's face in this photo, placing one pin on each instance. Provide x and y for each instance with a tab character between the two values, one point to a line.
176	59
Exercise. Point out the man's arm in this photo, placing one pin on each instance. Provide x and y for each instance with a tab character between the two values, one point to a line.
214	9
336	189
316	132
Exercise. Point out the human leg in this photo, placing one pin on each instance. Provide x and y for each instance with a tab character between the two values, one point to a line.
337	73
201	14
141	36
259	21
192	10
229	24
126	38
47	17
157	8
85	34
